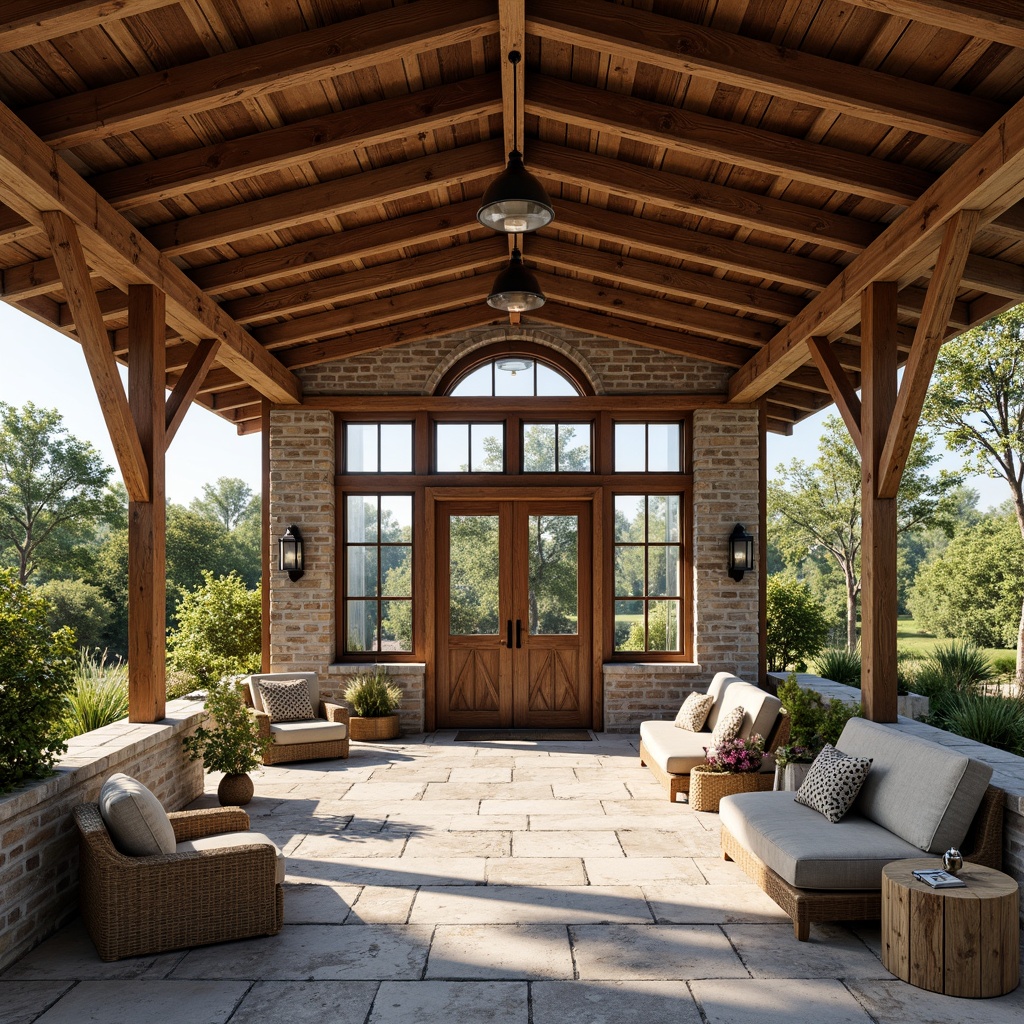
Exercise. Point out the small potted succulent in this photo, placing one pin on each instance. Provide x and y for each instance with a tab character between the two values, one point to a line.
232	744
375	701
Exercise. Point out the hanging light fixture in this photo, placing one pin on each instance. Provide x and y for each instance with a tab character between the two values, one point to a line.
515	289
515	202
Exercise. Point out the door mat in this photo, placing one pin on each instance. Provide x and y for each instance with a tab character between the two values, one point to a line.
523	735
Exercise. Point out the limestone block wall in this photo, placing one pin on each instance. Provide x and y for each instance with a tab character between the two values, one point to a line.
38	838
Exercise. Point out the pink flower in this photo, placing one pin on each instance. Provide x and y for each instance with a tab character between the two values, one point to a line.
737	755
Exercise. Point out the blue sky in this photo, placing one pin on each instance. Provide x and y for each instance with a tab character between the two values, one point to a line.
40	365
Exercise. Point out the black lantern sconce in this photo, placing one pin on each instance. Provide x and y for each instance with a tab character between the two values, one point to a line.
741	553
290	557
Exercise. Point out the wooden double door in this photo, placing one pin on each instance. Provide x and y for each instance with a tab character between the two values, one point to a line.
514	614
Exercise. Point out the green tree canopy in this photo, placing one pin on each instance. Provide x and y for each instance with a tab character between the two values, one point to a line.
51	489
797	627
230	501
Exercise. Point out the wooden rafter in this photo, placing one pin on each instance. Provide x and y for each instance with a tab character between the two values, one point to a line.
931	332
358	44
512	36
28	22
1002	21
187	386
840	387
727	57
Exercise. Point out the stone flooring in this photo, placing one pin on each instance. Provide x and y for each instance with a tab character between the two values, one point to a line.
526	883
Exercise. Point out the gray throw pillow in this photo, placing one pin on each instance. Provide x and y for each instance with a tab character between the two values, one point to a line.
833	782
286	700
136	820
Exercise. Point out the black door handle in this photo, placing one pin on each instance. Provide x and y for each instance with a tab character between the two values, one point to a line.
508	634
519	632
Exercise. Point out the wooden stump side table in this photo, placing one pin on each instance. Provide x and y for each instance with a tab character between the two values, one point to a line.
962	942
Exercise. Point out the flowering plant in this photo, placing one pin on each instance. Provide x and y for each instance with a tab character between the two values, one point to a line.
794	753
736	755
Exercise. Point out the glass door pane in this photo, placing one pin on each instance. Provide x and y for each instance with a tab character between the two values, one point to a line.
553	592
474	559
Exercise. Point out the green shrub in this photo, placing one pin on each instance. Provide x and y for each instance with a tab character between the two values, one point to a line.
956	667
797	626
813	721
36	671
180	684
232	744
373	695
81	606
99	696
219	630
1004	665
839	664
997	721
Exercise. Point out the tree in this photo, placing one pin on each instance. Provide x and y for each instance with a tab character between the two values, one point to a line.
230	501
818	506
79	605
974	589
797	627
976	401
51	487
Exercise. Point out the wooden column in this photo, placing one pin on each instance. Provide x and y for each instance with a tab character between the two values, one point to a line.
266	561
878	515
147	687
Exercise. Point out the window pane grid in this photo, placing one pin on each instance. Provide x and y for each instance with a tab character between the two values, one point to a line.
378	447
557	448
648	447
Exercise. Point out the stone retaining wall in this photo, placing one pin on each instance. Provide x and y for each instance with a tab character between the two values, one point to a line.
38	838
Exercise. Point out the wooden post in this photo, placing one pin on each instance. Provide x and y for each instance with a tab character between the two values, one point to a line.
878	515
147	623
266	561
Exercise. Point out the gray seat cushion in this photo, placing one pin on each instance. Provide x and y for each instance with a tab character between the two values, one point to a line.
926	793
136	821
317	730
227	840
805	849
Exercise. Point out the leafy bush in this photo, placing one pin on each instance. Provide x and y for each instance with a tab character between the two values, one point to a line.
79	605
219	630
180	684
997	721
1004	665
99	696
372	695
232	744
839	664
813	721
956	667
36	671
797	627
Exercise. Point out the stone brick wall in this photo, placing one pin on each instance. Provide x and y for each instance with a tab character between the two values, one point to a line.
38	838
409	677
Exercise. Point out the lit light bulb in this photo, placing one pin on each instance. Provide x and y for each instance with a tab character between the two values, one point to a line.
516	225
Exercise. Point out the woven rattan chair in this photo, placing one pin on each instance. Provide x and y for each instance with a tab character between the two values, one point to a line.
284	748
133	906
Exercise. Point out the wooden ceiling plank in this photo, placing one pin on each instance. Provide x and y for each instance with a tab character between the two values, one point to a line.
329	250
672	280
701	198
29	22
928	339
353	45
989	176
33	179
357	284
683	131
187	386
731	59
14	229
389	120
329	198
74	271
1002	21
840	387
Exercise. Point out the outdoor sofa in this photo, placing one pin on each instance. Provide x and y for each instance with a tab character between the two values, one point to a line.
671	752
917	796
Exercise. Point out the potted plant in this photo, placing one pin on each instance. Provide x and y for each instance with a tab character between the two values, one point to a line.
232	744
375	702
733	766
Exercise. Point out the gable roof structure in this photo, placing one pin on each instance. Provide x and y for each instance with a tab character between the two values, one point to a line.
301	178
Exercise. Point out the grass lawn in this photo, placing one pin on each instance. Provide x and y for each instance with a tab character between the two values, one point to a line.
910	637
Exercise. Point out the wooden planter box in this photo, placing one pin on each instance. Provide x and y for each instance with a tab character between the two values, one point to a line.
707	787
364	729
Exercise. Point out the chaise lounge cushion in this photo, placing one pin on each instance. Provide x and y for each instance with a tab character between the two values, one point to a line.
315	730
675	750
803	849
761	709
925	793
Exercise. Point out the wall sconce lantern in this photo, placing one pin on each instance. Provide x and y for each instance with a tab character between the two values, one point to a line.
290	559
741	553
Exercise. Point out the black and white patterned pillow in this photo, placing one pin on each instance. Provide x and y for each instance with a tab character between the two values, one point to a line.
833	782
728	727
286	700
694	712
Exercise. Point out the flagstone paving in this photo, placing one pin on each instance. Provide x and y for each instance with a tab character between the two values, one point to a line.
521	883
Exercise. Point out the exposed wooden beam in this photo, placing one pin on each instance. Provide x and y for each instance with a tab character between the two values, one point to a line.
34	179
318	138
359	284
778	217
28	22
357	44
931	332
512	36
187	386
74	272
1002	21
684	131
840	386
437	171
988	177
732	59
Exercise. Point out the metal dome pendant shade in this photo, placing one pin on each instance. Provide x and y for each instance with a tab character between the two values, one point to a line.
515	201
515	289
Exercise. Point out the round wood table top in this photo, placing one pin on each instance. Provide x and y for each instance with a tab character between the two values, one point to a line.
982	882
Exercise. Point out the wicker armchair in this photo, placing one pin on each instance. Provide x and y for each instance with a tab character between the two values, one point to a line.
142	905
297	741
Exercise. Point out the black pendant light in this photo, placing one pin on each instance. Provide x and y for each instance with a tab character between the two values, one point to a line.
515	289
515	202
